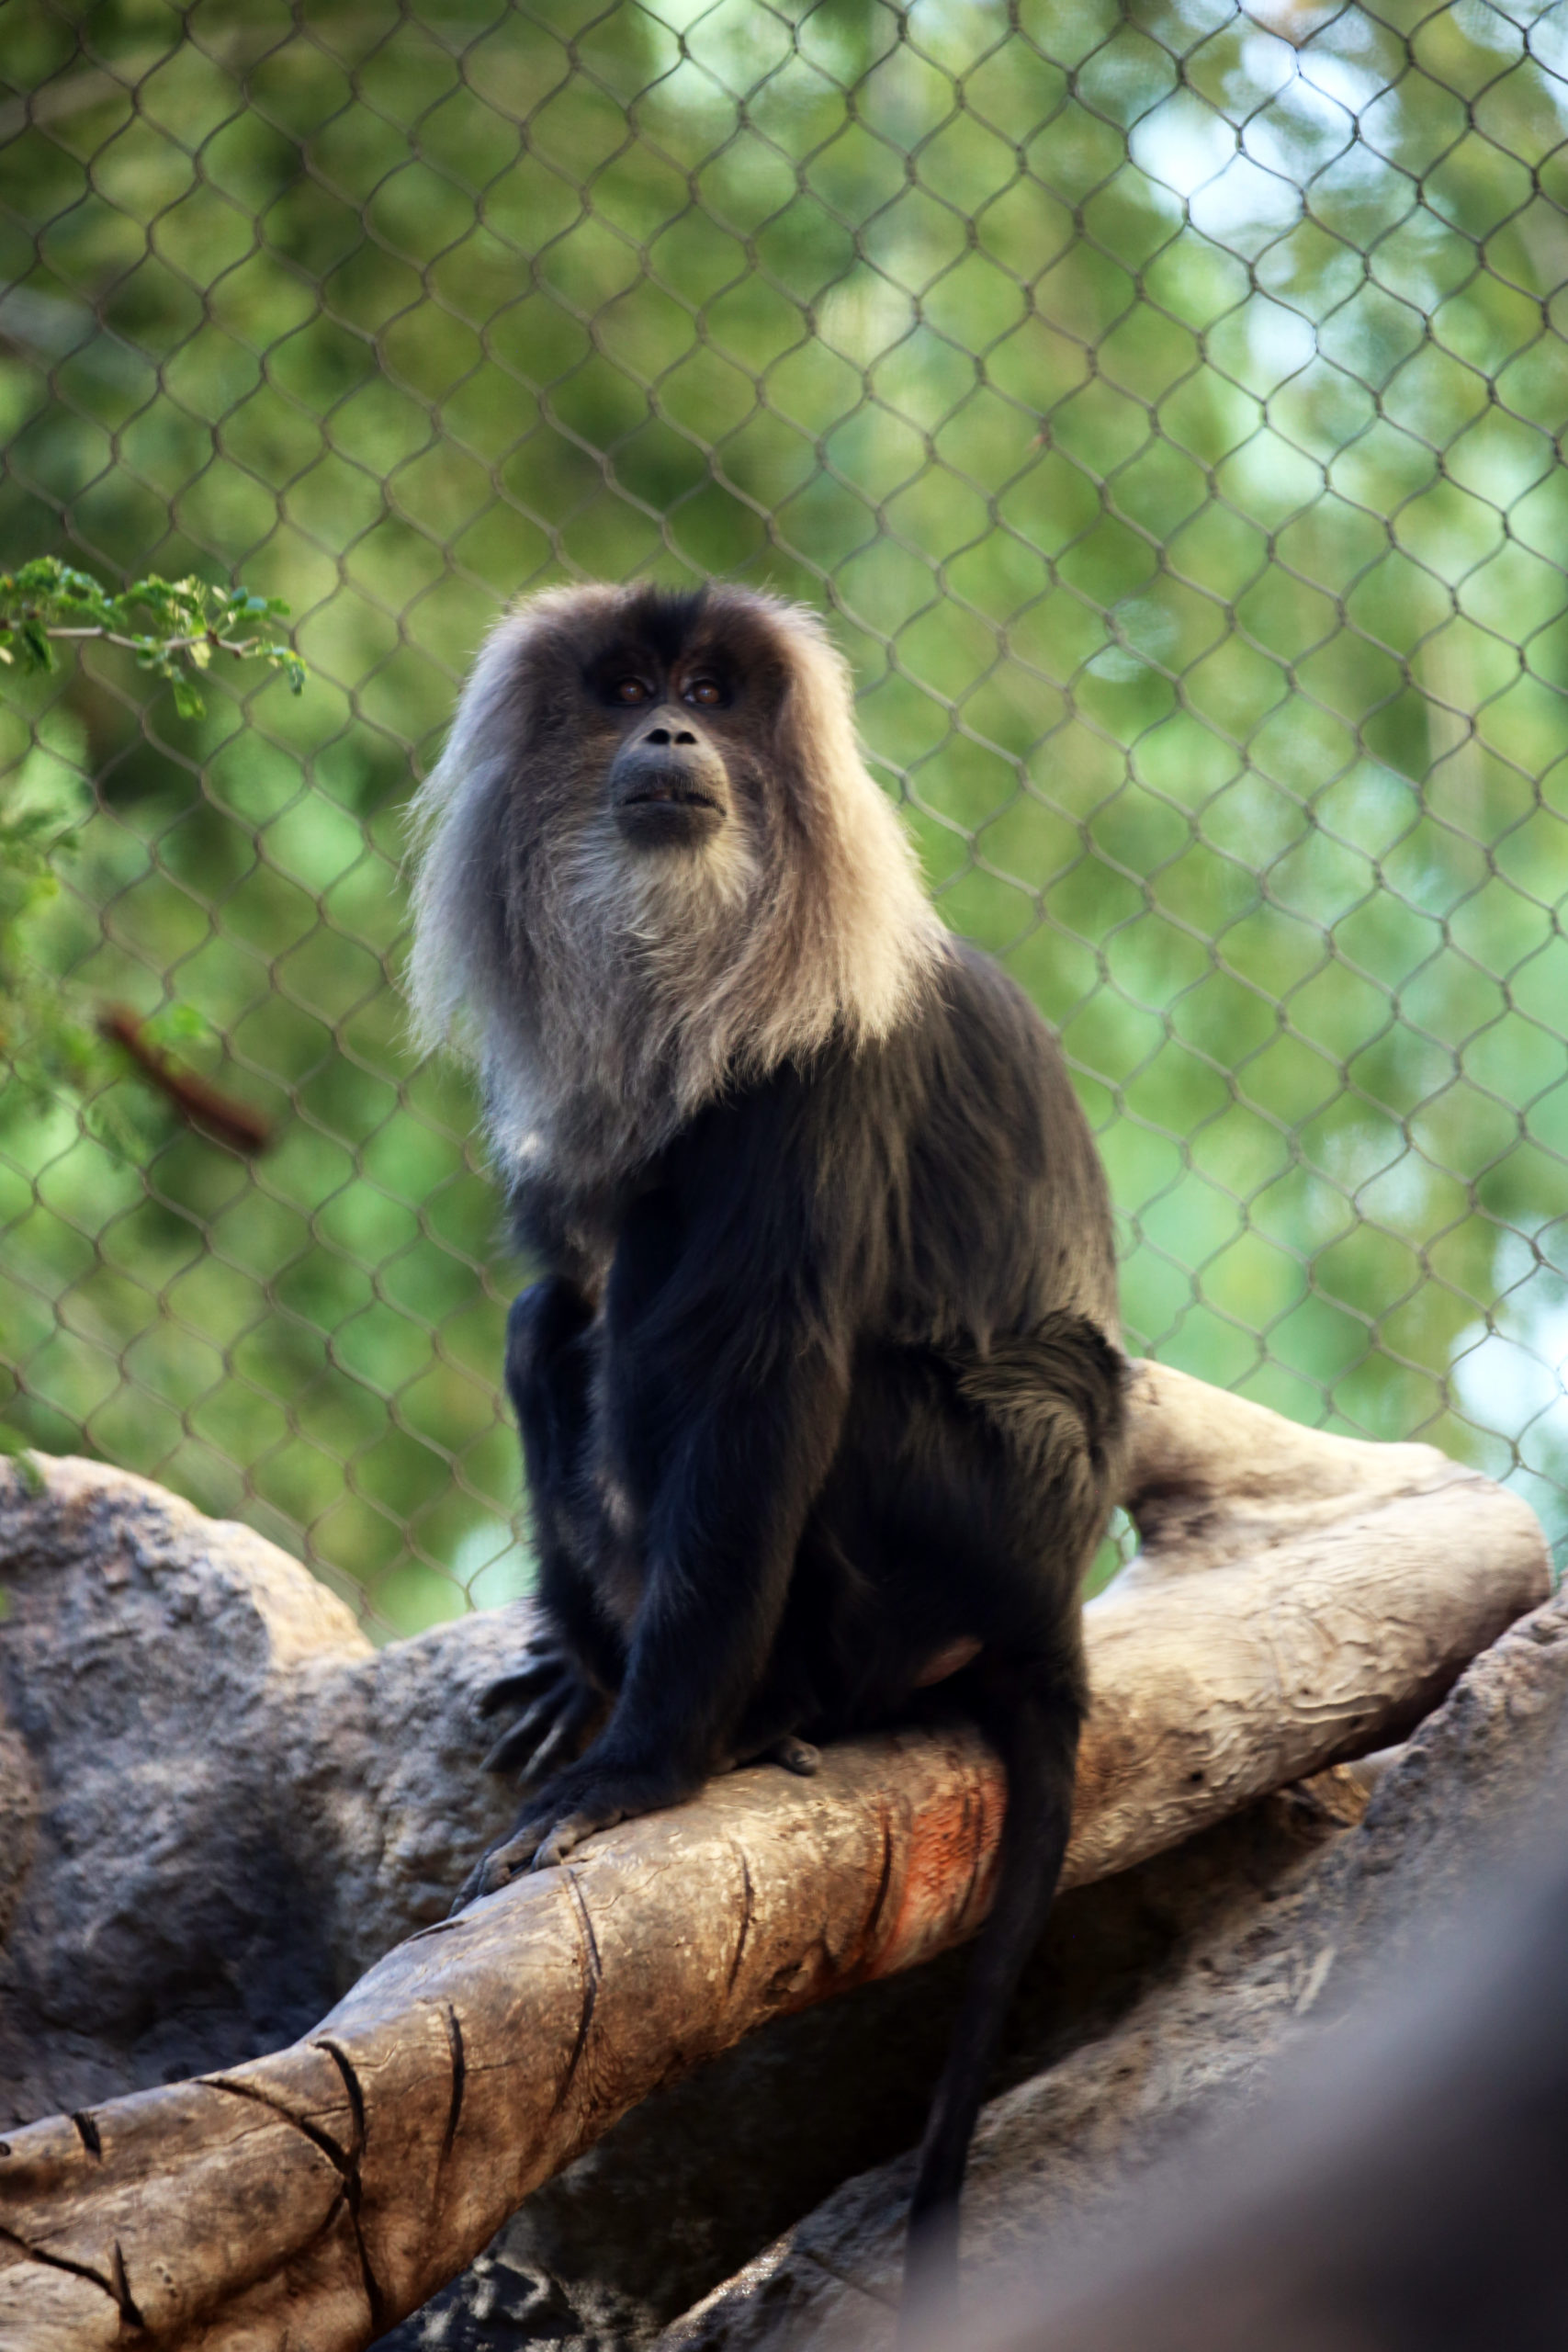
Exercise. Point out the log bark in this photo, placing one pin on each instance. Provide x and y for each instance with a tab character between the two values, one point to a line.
1300	1598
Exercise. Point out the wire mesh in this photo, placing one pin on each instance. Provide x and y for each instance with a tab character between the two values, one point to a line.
1165	403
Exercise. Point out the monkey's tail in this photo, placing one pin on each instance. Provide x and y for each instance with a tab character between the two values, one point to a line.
1038	1738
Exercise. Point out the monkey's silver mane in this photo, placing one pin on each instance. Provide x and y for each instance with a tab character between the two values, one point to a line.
605	994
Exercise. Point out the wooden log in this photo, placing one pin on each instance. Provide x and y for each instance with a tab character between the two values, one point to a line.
1300	1598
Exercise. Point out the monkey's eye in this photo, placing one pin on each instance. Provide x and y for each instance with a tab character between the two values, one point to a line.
706	690
629	690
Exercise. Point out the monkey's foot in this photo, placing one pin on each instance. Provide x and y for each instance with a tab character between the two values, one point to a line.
558	1711
577	1802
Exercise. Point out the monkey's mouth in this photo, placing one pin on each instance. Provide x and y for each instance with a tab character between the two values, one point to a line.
678	819
668	805
671	796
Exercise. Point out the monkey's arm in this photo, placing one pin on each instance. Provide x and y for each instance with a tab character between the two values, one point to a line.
721	1545
562	1682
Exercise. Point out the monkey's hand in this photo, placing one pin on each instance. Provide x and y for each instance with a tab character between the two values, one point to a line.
588	1796
558	1711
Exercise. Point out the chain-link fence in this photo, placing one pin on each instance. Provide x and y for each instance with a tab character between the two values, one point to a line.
1163	401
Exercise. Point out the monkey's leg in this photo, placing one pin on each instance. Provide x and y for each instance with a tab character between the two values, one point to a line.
1037	1733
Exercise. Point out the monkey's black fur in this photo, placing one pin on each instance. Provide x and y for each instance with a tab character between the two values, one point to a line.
819	1402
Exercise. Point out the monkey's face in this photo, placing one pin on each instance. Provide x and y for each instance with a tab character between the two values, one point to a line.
667	784
646	766
654	773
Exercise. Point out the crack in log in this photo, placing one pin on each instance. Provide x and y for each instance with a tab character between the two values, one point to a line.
353	2090
885	1881
61	2262
439	1927
882	2295
123	2295
593	1971
88	2133
748	1906
344	2163
322	2140
459	2077
353	2183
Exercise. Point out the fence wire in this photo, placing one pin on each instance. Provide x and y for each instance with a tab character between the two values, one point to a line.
1164	402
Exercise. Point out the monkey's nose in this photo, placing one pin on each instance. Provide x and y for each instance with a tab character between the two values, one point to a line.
666	735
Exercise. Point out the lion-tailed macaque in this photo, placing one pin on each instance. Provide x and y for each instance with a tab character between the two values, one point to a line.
819	1384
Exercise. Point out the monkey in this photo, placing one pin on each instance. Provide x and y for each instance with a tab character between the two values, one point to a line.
819	1385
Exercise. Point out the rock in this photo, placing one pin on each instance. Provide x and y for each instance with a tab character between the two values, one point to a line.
218	1804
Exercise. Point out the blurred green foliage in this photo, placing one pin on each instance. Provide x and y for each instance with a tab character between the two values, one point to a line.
173	628
1164	401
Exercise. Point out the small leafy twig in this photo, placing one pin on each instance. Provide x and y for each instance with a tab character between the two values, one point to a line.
172	626
233	1123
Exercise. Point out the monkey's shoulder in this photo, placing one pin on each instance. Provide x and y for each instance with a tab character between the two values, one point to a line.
979	1070
972	1070
978	1007
963	1114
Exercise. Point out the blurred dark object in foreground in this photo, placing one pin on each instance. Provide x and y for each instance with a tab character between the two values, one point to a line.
1405	2191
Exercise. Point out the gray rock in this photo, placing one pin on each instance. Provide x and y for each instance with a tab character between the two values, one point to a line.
218	1804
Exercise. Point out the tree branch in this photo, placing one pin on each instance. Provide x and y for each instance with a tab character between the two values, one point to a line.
233	1123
